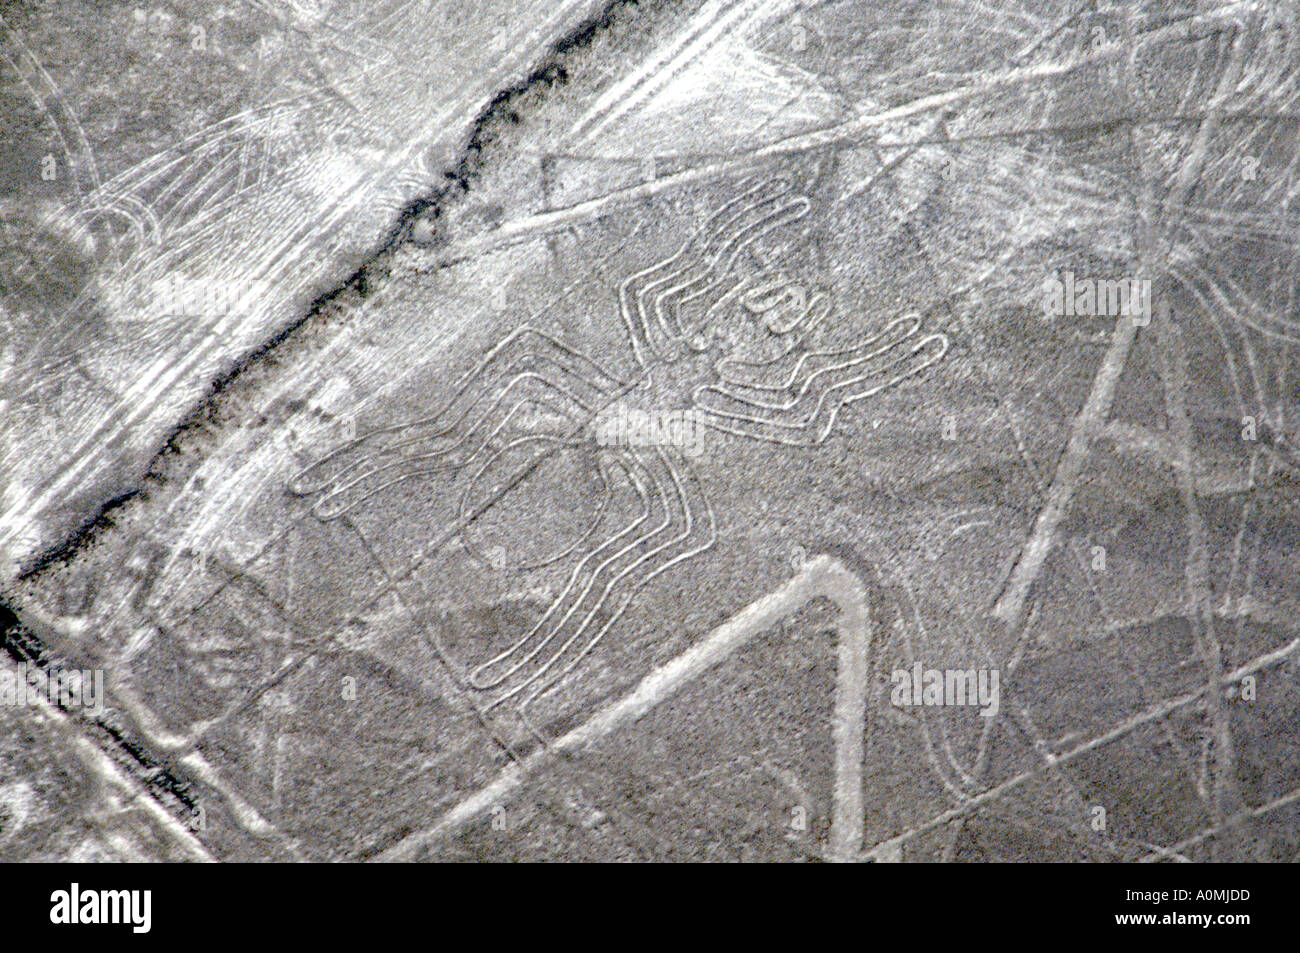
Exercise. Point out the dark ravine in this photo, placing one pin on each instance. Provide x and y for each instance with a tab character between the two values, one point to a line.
163	783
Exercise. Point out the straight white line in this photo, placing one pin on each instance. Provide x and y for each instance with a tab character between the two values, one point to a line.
822	576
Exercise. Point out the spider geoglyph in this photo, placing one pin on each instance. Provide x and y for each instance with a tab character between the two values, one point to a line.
534	394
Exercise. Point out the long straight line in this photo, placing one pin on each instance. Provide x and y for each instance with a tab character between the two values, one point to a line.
824	576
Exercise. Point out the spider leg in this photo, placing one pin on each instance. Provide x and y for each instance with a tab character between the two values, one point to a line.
698	532
527	370
716	275
794	400
510	660
759	380
675	523
713	246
